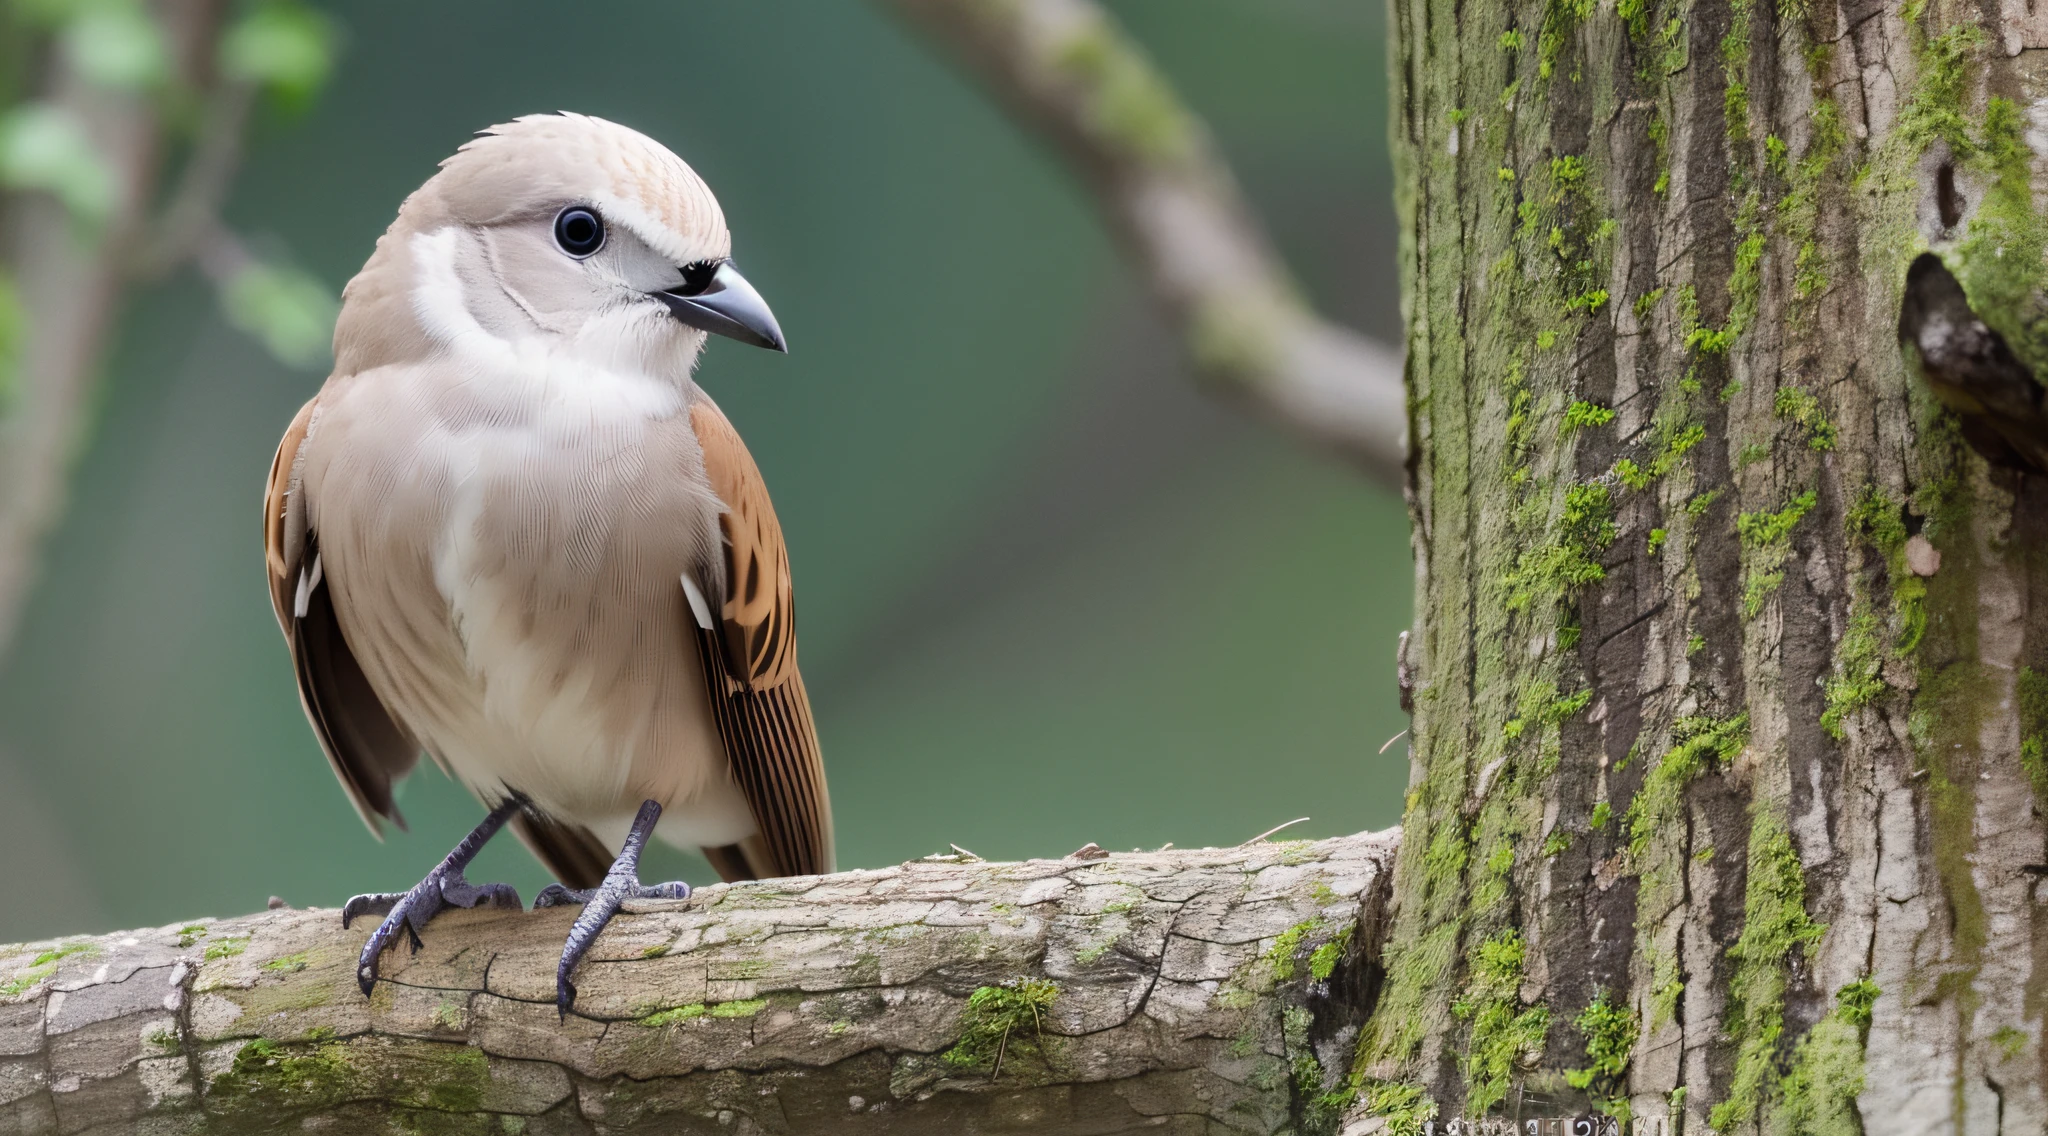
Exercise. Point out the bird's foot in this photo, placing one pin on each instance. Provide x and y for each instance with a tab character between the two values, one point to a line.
443	887
602	902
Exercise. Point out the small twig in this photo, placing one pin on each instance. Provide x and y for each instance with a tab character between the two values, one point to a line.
963	852
1271	831
1002	1047
191	219
1070	72
1392	740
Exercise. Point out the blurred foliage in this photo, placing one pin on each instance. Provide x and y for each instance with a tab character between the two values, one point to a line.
281	48
287	310
285	47
43	147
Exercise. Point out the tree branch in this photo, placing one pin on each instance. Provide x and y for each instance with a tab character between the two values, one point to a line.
946	995
70	288
1068	72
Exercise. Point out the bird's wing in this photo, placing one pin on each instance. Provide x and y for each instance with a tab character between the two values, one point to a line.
367	748
747	639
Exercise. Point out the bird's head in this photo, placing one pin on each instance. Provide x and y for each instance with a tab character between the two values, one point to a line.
561	230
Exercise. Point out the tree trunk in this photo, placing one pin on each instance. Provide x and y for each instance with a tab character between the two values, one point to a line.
1205	991
1730	682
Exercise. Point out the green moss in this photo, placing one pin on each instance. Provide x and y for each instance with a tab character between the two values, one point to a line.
1567	706
1799	209
1774	925
2010	1041
2002	262
1602	813
41	968
1322	962
1582	413
1126	102
1817	1095
1697	745
655	952
1569	560
1610	1032
2033	700
739	1008
1279	958
1502	1029
1874	521
1655	544
289	964
1765	535
190	934
992	1026
1404	1105
673	1016
1762	528
226	948
1947	714
1560	19
1803	410
270	1076
1555	843
1675	441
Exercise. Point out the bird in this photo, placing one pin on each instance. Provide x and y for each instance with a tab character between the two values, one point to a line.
511	532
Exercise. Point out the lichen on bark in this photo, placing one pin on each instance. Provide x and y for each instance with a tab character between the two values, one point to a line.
1802	602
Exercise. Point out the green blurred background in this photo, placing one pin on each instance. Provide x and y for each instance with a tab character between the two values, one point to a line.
1050	593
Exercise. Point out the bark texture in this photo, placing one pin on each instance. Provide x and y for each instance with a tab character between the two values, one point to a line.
1731	676
1201	991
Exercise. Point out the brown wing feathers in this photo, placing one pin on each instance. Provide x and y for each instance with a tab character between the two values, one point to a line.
367	749
757	695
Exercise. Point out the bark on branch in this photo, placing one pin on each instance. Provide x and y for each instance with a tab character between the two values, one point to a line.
1203	990
1067	71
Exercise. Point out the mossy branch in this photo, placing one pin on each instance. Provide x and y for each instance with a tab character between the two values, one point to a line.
1069	72
1223	986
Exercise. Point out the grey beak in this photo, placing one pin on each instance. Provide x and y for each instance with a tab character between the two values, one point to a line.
728	306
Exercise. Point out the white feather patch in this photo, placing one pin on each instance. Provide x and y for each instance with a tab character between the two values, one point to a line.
309	579
698	607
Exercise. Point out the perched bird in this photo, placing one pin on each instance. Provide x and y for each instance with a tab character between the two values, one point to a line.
511	532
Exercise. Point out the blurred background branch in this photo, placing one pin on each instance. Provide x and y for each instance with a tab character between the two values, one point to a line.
1070	73
102	97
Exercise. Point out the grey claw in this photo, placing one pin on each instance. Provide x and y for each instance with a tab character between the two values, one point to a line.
370	903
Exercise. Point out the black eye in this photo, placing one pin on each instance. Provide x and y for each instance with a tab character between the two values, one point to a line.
579	231
696	278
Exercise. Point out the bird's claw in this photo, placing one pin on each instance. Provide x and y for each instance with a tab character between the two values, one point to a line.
413	910
599	905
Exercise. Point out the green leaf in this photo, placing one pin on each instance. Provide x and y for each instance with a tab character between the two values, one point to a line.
116	45
43	147
290	311
13	325
285	46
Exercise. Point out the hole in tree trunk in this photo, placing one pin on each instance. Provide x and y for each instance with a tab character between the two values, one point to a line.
1946	199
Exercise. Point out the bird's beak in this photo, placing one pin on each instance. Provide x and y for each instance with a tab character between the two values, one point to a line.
729	306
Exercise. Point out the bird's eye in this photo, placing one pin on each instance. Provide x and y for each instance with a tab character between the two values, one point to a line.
579	231
696	278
